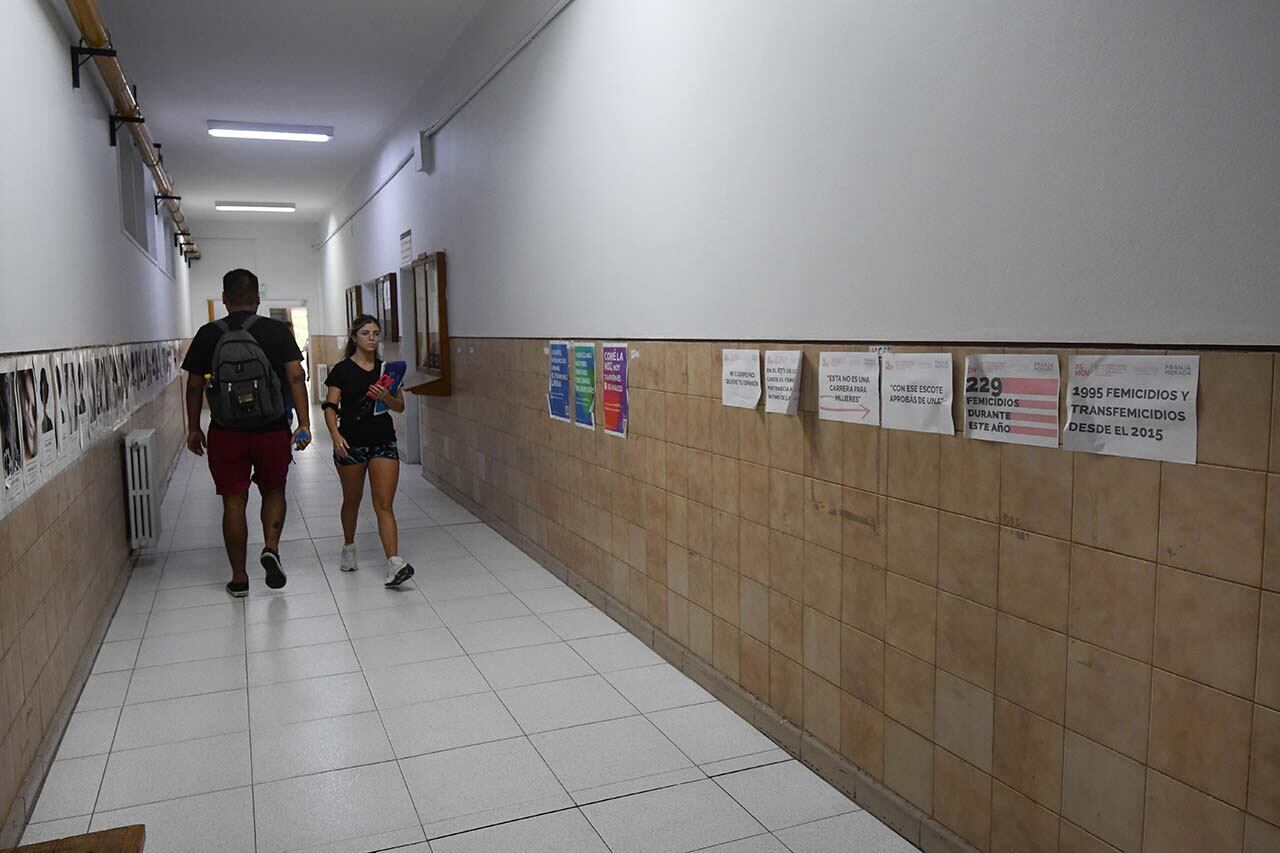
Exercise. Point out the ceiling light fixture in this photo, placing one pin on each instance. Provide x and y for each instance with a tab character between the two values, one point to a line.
278	132
256	206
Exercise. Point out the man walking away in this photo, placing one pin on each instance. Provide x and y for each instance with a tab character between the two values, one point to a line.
250	367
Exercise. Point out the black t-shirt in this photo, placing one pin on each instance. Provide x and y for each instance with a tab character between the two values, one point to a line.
277	343
356	421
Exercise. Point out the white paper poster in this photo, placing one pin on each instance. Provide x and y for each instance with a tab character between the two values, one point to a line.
406	248
1133	405
782	381
916	390
1012	398
849	387
740	378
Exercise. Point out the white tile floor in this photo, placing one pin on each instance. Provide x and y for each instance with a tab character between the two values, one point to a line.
487	707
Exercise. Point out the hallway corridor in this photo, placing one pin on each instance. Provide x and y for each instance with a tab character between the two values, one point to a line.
486	707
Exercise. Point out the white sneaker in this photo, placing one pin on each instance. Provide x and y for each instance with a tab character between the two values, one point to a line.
349	558
398	571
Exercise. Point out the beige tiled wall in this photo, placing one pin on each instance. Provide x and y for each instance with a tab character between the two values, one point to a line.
61	554
1043	650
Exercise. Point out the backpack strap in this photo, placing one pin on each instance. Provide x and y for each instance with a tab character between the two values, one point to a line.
249	321
222	325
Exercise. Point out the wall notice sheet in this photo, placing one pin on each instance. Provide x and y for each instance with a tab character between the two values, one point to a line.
782	381
615	389
1133	405
849	387
558	392
740	378
584	385
917	392
1011	398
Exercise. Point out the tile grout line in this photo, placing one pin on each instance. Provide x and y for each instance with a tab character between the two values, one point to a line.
595	670
604	677
365	679
124	699
248	712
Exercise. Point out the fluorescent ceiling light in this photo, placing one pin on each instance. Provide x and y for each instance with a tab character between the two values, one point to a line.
280	132
256	206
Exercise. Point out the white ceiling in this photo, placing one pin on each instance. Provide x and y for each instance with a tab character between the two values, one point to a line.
350	64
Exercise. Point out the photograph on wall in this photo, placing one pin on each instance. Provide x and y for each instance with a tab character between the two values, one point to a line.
11	456
82	395
82	405
47	400
133	370
61	415
63	392
67	397
122	399
29	420
97	379
116	403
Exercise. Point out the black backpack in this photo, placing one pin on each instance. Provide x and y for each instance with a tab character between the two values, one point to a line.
244	389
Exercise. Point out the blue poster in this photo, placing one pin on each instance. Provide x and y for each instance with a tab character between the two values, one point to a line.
584	385
558	395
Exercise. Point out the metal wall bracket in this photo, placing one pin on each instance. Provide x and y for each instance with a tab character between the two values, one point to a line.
159	198
80	55
117	121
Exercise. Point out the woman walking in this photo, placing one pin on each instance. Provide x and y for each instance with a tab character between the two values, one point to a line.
365	442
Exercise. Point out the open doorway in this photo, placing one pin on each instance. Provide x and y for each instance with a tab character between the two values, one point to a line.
292	314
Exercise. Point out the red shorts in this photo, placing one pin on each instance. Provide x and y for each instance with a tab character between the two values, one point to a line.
233	454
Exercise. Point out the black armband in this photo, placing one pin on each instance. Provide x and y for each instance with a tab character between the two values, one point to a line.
327	405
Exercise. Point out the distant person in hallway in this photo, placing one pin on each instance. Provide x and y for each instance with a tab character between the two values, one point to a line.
363	441
251	369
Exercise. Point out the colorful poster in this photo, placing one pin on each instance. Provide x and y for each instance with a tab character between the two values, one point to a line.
917	392
782	381
849	387
740	378
1142	406
615	389
584	385
558	392
1012	398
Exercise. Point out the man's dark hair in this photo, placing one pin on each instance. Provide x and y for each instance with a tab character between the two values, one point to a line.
240	287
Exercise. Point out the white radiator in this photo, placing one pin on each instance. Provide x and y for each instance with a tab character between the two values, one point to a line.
144	477
322	373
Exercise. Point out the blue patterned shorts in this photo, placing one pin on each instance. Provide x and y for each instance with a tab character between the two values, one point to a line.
361	455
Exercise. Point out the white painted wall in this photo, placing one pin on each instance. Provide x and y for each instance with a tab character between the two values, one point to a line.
69	276
279	253
980	170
